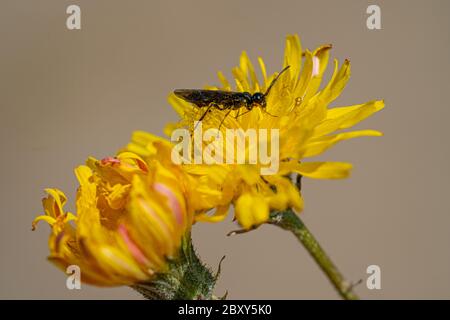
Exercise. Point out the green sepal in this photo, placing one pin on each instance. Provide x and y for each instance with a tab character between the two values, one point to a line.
187	278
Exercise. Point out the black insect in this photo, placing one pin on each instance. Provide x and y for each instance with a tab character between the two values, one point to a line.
226	100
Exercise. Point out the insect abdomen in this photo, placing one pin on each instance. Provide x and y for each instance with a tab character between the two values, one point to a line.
221	99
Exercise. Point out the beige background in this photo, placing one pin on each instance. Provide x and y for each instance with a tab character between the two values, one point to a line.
65	95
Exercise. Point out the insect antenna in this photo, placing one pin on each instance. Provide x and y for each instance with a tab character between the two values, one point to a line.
275	80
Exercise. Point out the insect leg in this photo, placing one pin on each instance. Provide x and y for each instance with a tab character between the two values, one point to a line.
239	111
226	115
269	113
203	116
220	107
241	114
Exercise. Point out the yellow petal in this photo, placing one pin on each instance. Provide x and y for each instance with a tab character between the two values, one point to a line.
132	163
305	75
143	143
179	105
293	57
241	79
251	210
169	128
346	117
54	204
225	84
337	83
118	196
248	69
218	215
316	107
323	170
319	145
114	261
70	217
320	58
285	191
153	217
262	66
48	219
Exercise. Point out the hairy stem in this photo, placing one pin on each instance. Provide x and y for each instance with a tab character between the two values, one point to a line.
290	221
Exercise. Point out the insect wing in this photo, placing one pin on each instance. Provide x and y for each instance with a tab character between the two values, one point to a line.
202	98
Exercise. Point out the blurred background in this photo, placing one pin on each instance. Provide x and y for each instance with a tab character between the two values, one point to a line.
68	94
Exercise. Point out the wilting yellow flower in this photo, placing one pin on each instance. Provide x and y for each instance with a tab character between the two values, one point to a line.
131	218
203	192
307	128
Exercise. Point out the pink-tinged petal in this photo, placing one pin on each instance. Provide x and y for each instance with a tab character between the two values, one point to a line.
134	249
58	239
109	160
316	66
174	204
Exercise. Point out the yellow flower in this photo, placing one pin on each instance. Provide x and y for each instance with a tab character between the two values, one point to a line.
307	127
131	218
212	190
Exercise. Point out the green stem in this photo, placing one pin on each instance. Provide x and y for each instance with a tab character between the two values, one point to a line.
290	221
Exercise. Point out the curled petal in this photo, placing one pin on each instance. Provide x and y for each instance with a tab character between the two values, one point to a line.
251	210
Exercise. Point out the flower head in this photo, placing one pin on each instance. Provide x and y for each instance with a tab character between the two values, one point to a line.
131	218
299	109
